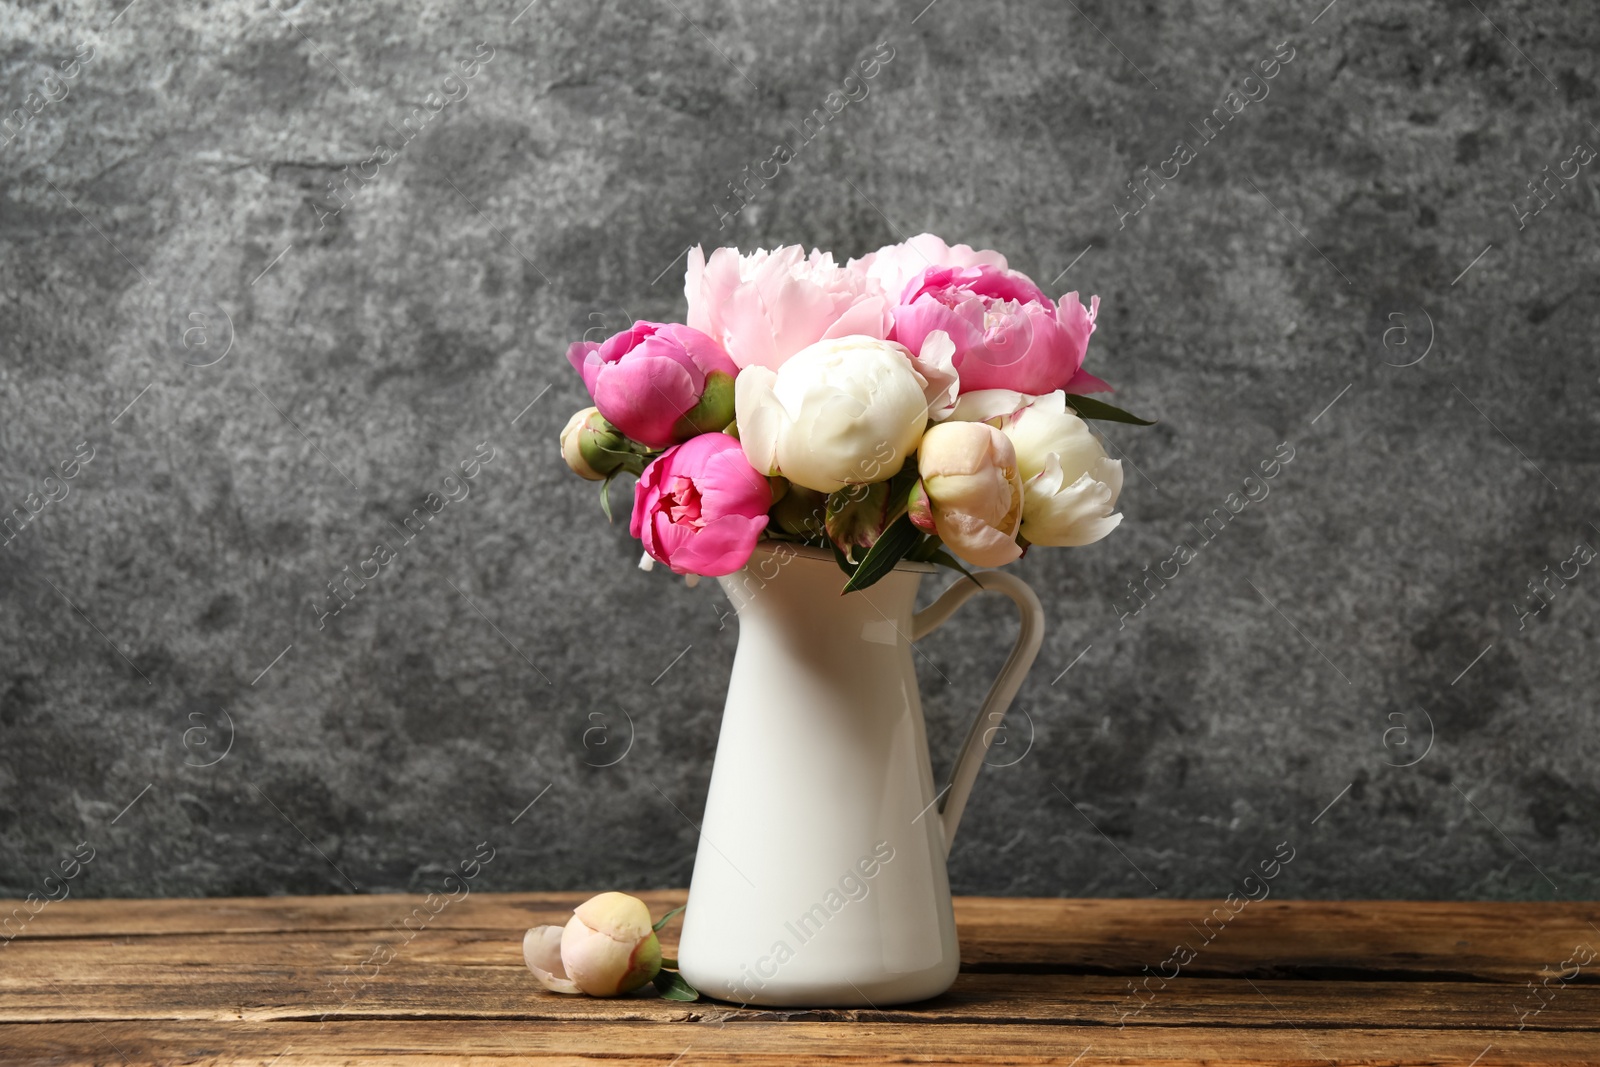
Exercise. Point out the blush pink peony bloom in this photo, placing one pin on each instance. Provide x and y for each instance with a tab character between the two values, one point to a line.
894	267
659	383
970	492
767	306
1007	333
700	507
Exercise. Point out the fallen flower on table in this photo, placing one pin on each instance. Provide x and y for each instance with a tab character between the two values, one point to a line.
606	949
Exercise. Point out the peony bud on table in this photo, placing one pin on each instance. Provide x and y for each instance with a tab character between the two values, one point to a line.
606	949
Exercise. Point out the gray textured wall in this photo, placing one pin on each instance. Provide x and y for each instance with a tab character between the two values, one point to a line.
178	193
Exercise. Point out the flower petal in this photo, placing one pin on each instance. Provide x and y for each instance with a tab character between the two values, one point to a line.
596	962
1083	382
914	322
981	405
1071	515
541	951
936	364
720	547
867	318
975	541
761	418
617	915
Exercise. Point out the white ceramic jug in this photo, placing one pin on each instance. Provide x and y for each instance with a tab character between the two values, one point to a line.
820	877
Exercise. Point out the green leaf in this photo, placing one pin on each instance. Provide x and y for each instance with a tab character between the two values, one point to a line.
668	961
940	556
924	549
885	552
900	487
671	986
665	919
630	460
605	497
1090	408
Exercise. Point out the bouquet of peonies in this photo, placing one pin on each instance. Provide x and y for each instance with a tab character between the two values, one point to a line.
923	402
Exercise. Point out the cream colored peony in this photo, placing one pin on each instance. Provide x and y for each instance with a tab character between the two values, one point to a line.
842	412
1070	486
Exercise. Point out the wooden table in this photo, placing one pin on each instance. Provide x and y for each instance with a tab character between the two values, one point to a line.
283	981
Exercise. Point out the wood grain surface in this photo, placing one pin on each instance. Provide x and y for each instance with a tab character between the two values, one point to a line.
281	980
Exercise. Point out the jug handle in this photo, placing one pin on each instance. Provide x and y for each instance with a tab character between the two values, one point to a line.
1030	636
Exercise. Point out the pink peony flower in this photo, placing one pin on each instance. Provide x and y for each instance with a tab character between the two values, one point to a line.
700	507
659	383
894	267
970	492
767	306
1007	333
950	284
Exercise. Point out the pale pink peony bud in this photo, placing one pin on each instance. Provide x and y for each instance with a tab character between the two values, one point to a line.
607	948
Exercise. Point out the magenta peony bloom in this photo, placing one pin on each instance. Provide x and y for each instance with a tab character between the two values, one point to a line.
767	306
659	383
1007	333
949	285
700	507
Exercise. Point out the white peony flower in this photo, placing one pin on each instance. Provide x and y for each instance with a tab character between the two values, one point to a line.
841	412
